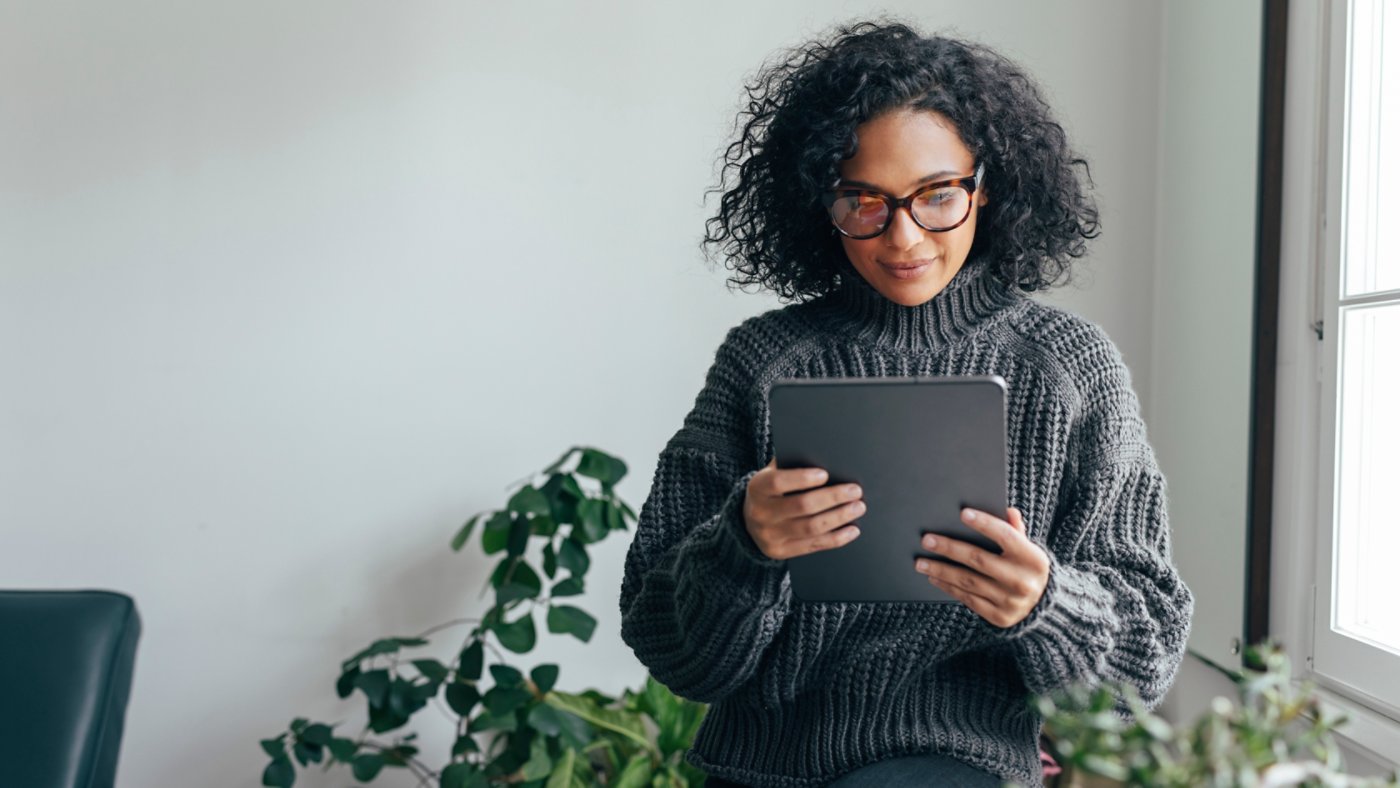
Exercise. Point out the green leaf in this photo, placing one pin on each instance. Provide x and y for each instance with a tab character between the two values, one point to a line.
307	754
569	586
519	536
405	698
275	748
604	467
636	773
318	734
567	619
465	532
544	718
538	767
462	698
464	744
496	533
382	646
628	724
366	766
507	676
469	661
591	528
519	635
375	685
431	669
462	775
346	683
544	677
486	721
573	557
529	501
559	463
280	773
613	517
551	562
563	774
503	700
343	750
523	582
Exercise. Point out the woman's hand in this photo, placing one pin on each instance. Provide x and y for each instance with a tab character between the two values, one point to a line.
1000	588
783	525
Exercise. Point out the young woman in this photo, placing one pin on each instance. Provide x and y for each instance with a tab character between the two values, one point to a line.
903	193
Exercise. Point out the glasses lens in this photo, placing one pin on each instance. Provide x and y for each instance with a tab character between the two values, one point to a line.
941	208
859	214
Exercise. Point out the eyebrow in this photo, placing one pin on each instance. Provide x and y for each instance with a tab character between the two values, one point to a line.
940	175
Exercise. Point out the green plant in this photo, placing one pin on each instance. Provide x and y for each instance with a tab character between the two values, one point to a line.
538	735
1276	735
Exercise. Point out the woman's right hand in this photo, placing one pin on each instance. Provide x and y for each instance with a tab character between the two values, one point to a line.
785	525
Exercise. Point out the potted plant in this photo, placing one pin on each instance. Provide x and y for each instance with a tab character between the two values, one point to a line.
1275	735
521	729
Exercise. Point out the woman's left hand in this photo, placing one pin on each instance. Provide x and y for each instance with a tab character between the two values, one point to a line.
1000	588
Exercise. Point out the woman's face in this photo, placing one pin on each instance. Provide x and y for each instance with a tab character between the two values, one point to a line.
899	152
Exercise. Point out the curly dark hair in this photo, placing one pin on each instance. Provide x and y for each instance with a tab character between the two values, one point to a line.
800	122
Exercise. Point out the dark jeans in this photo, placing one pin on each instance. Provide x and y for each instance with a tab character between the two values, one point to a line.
906	772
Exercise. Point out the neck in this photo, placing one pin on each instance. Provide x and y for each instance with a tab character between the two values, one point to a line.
966	303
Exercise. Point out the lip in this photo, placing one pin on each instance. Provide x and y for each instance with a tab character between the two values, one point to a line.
909	270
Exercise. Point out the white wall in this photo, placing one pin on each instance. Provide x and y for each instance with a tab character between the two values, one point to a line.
289	290
1203	300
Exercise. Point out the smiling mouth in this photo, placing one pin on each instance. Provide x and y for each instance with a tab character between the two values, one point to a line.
906	266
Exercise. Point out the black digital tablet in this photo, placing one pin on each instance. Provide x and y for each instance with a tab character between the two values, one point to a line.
921	448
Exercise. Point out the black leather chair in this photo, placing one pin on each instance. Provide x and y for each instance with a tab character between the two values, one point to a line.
66	659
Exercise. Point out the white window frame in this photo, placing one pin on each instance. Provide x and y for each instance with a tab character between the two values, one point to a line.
1345	670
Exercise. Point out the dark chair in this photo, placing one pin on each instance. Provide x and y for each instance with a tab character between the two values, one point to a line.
66	659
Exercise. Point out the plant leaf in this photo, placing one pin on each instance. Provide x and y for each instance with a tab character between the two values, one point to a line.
469	661
462	775
569	586
601	466
573	557
507	676
465	532
563	774
636	773
529	501
462	698
567	619
366	766
375	685
496	533
519	635
280	773
544	677
629	724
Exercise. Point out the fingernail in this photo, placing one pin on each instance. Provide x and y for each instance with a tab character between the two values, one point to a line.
921	565
930	541
969	515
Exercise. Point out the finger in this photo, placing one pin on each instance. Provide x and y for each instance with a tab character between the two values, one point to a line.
826	541
813	502
786	480
949	576
968	554
1014	517
998	530
980	605
831	518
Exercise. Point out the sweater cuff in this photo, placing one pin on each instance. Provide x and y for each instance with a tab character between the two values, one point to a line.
722	545
1075	612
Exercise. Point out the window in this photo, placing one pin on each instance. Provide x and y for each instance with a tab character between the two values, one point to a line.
1356	617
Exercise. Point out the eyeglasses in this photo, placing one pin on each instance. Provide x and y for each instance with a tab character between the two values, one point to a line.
937	207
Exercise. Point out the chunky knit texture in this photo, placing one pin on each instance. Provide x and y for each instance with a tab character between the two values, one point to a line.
802	693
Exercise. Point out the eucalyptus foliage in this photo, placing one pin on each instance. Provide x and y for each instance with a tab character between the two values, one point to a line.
521	729
1276	734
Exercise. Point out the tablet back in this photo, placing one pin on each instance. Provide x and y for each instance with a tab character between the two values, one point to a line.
921	448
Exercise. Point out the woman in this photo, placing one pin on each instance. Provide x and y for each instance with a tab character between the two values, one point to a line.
905	193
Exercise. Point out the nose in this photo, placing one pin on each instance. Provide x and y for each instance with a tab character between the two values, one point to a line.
903	232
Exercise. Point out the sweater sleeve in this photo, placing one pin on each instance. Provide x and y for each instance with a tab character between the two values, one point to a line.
1115	608
700	603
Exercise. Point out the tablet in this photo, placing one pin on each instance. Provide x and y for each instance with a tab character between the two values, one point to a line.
921	448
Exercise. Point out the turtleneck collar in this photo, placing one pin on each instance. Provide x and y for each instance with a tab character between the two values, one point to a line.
969	299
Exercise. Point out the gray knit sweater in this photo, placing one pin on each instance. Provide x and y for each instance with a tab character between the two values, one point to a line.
802	693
